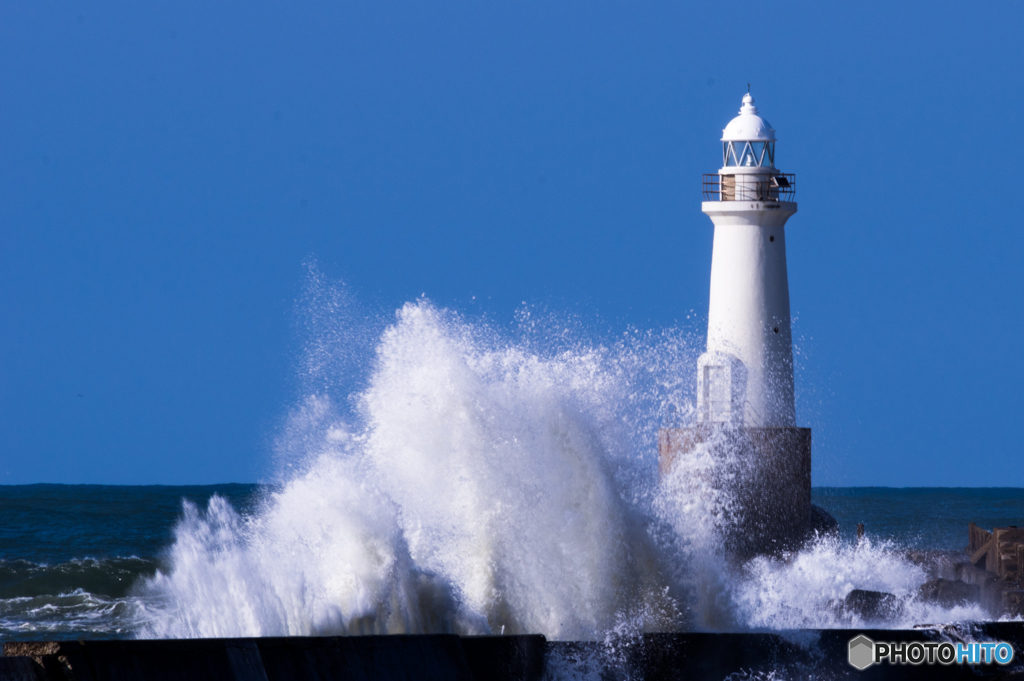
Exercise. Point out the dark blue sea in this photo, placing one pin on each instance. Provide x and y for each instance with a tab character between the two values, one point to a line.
71	554
72	557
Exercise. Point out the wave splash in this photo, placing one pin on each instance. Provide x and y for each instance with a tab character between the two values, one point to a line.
476	484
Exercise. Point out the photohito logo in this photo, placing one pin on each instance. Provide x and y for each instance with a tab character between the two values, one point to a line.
864	652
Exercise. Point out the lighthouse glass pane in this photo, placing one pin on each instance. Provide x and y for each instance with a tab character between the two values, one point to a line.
730	154
758	149
748	156
726	160
770	161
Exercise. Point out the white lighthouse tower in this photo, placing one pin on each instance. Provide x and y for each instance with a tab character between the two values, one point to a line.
745	415
746	376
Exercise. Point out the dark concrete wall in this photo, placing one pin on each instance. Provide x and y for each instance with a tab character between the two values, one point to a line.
356	658
654	657
769	475
807	654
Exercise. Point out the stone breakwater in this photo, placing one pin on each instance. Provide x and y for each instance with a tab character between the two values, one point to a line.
988	574
780	655
380	658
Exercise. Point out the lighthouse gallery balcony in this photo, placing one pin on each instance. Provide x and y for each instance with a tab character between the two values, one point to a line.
776	187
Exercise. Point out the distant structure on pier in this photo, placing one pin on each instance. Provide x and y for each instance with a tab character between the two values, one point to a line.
745	400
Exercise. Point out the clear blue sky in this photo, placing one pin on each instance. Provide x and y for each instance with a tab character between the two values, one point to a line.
167	168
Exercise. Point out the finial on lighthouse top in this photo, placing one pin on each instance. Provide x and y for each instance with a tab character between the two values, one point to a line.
748	126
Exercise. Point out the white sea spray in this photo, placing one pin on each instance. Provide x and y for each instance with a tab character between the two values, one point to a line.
476	480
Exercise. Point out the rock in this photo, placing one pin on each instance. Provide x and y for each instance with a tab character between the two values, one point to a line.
821	521
972	574
874	606
949	593
937	563
1013	602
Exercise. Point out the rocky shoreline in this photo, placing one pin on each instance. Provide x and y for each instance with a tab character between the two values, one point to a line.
989	573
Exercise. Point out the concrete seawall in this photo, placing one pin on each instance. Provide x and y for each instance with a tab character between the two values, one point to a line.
355	658
795	654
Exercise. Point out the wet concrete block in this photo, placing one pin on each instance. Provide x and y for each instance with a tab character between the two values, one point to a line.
1013	602
992	595
304	658
356	658
793	654
972	574
164	660
821	522
365	658
817	654
949	593
873	606
706	656
937	562
505	658
245	660
407	658
21	669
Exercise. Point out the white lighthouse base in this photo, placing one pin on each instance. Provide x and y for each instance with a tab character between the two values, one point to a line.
765	472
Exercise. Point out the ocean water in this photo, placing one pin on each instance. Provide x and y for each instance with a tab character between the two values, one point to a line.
922	517
443	474
72	557
71	554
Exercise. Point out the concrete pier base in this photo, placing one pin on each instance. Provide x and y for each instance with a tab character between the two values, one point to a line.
650	657
767	471
329	658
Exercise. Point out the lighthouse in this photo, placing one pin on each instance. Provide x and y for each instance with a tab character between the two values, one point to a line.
745	414
746	376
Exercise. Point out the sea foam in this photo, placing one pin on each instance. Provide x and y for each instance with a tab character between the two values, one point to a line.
479	480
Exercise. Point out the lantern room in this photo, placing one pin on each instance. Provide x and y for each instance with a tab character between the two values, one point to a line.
749	140
748	170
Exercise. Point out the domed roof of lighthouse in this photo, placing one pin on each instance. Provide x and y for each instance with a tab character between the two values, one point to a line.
748	126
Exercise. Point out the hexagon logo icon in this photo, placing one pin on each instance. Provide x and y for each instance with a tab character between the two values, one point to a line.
862	652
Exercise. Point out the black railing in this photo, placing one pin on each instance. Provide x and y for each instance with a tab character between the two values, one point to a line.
781	187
